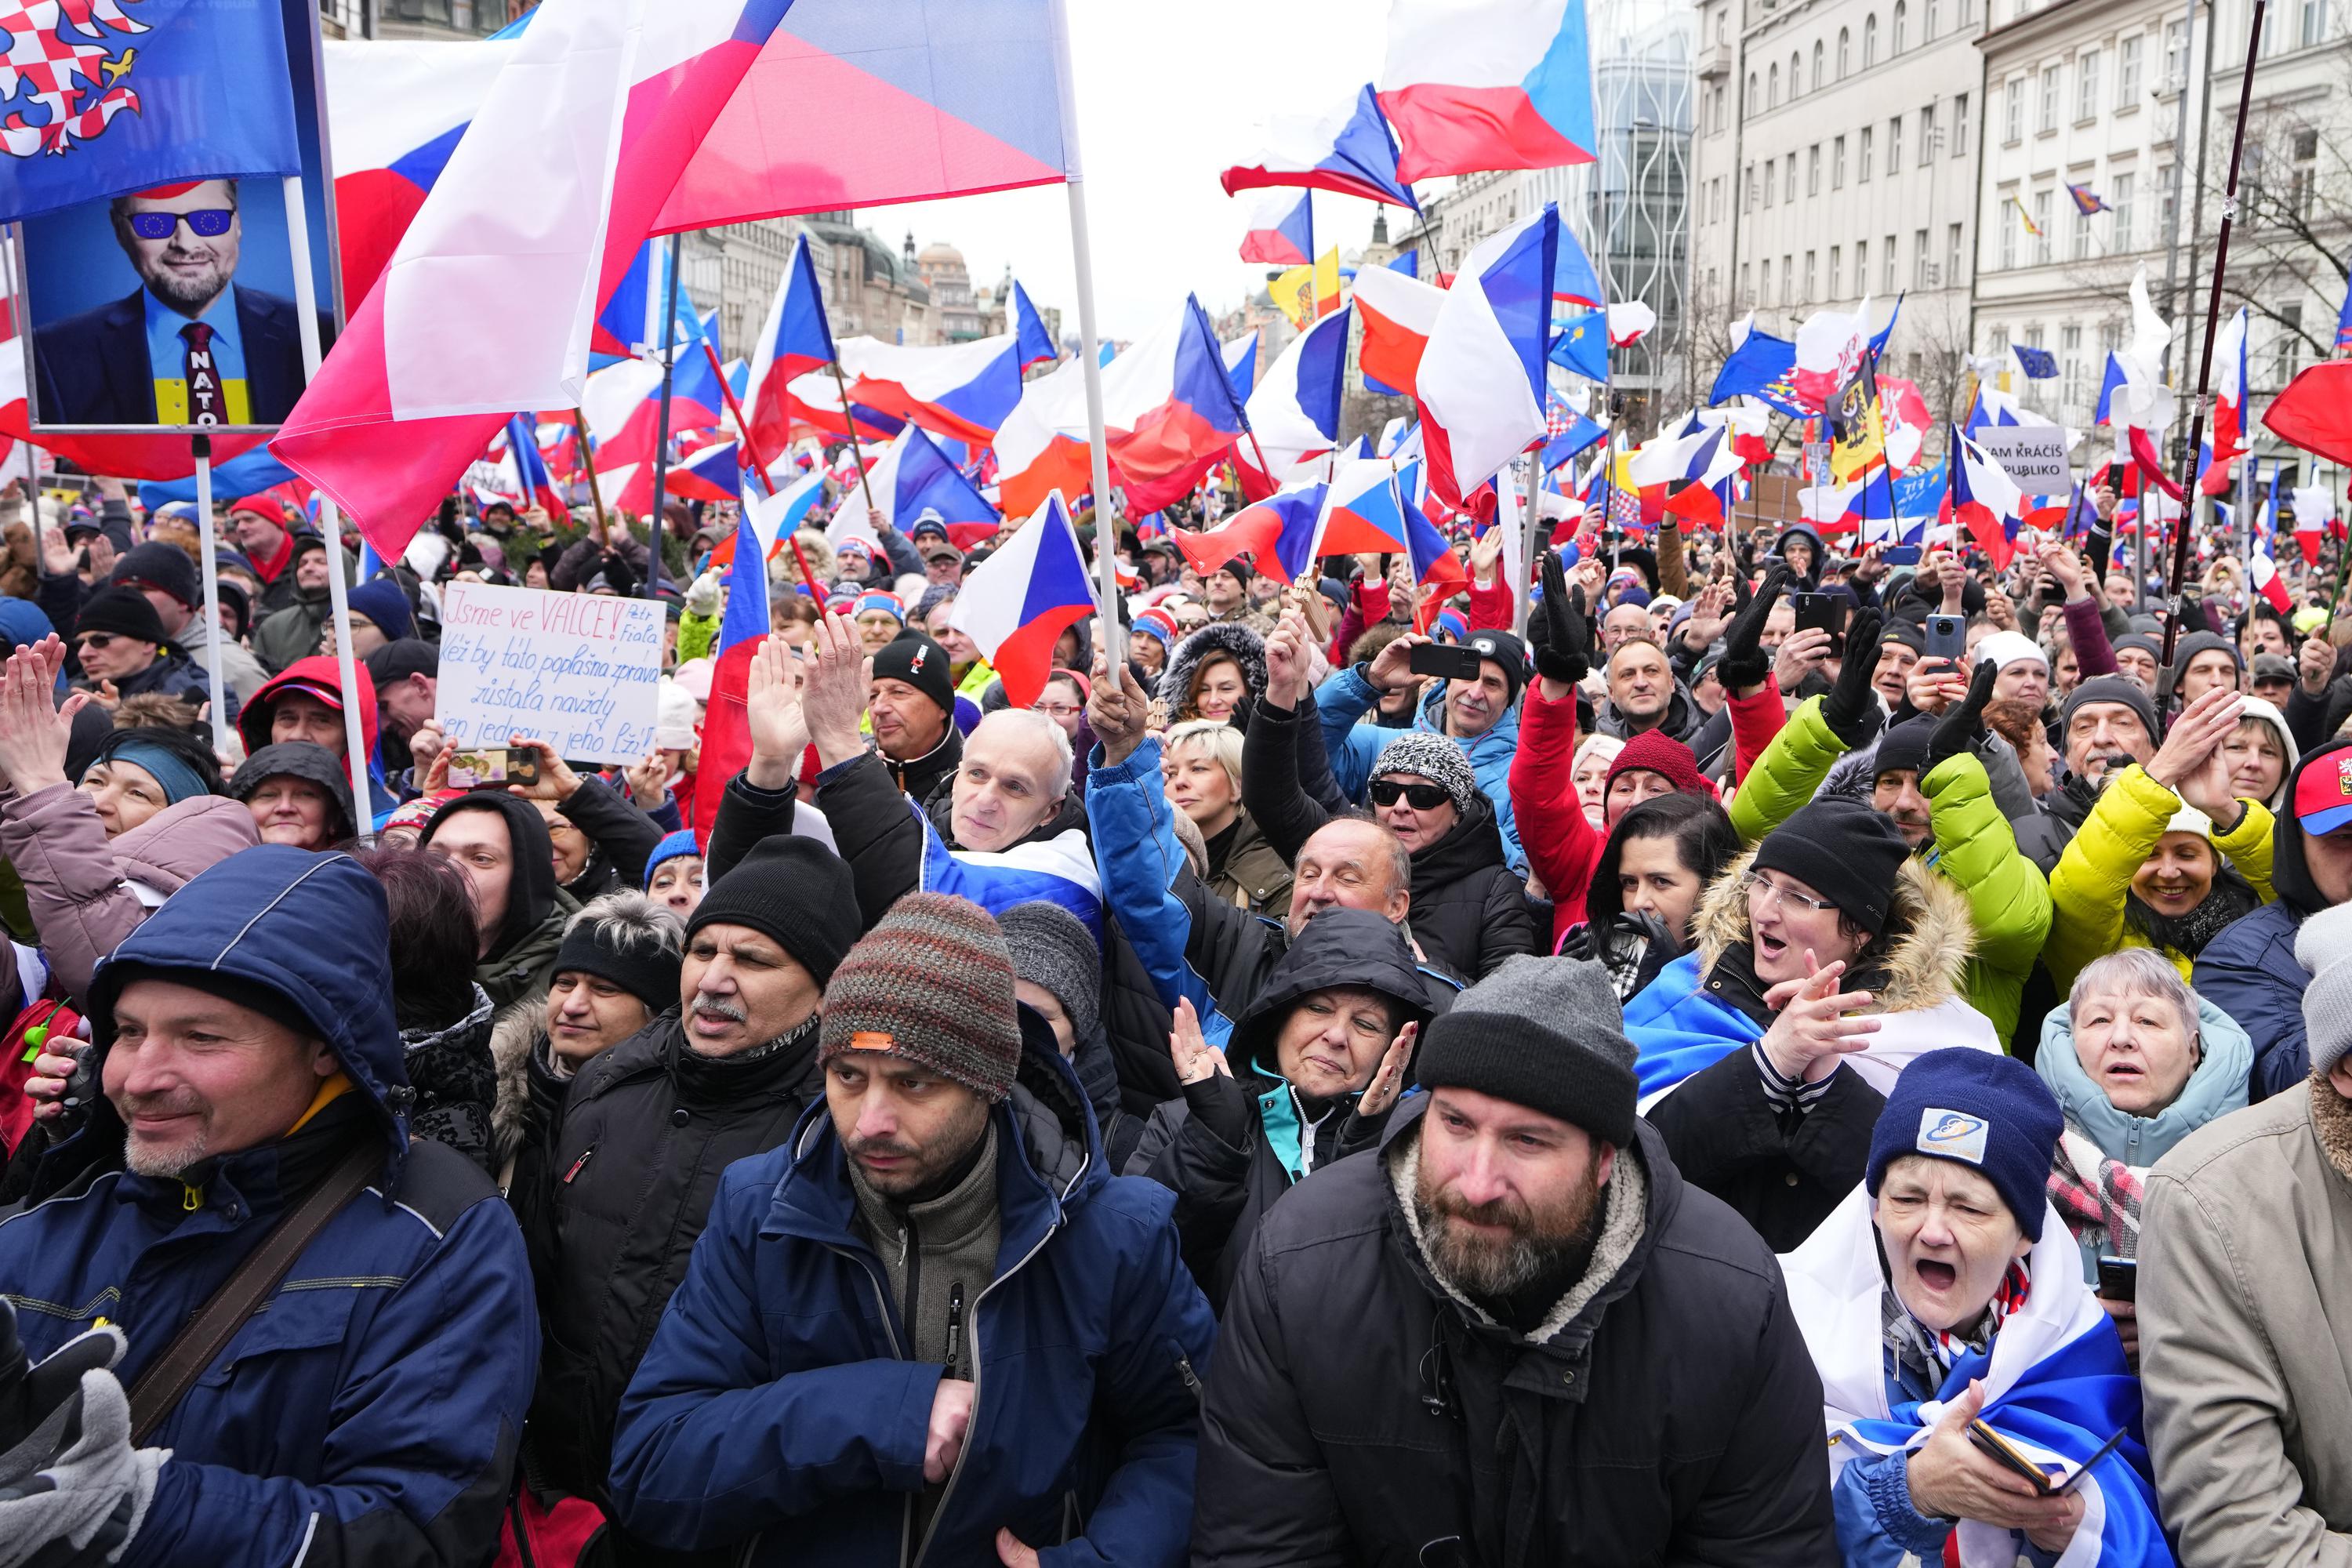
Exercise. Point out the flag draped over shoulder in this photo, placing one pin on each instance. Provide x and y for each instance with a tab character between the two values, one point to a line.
1057	870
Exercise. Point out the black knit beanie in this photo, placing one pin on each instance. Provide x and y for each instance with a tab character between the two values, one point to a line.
1904	746
793	889
124	612
1842	850
644	972
1543	1033
1505	653
922	664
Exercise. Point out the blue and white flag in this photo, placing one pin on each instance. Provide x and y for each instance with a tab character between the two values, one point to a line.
1057	870
100	97
2056	1384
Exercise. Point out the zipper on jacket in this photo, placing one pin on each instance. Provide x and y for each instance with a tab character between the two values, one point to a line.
882	1299
955	1328
971	1424
580	1164
1191	1378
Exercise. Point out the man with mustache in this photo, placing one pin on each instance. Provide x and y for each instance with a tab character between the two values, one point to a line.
1584	1359
189	346
647	1129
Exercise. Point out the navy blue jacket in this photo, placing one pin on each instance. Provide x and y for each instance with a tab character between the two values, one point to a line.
2249	970
93	368
775	1403
369	1412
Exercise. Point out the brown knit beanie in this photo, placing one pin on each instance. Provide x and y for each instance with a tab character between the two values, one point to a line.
932	982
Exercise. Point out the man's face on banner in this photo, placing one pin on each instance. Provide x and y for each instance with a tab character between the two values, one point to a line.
188	264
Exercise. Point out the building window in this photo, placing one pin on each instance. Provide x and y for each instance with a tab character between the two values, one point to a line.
1748	204
1927	22
2086	86
2127	72
2169	201
1788	184
1869	42
1845	41
2047	120
2079	240
1886	264
1745	297
1773	78
2313	18
1754	103
2042	222
1922	269
1837	165
2303	180
2119	213
1837	271
2176	56
1814	171
1952	256
2071	368
1765	297
1926	135
1819	54
2008	236
1810	295
1860	266
1894	146
2013	112
2289	355
1968	14
1863	174
1902	23
1788	277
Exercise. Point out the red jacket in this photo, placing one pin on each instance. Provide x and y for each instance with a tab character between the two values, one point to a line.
1560	845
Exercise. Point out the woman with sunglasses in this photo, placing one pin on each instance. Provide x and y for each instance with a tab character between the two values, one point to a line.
1827	948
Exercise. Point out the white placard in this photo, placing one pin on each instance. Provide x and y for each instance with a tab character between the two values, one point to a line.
2033	456
579	671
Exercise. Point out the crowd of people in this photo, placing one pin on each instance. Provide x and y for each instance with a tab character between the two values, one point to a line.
1745	1053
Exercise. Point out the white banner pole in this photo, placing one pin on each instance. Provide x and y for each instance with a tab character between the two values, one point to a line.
1114	644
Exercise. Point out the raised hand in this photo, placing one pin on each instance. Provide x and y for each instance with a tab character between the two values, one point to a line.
1286	659
556	780
1852	708
1117	712
34	732
1811	1030
1196	1061
2190	764
1391	668
1743	666
1388	1079
1565	652
772	712
1963	727
835	697
649	780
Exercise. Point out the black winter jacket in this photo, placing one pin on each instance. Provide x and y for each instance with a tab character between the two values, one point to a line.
620	839
634	1161
1360	1414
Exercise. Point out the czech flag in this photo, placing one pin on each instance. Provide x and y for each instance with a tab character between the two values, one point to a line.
1984	500
1350	150
794	343
1363	512
1277	534
959	390
913	475
1015	604
1294	414
774	518
1399	314
532	481
1481	383
630	322
726	724
710	472
395	112
1241	365
1281	230
2314	518
2227	438
1029	331
813	407
1473	85
486	306
2269	583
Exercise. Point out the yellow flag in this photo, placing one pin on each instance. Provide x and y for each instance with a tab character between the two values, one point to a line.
1293	293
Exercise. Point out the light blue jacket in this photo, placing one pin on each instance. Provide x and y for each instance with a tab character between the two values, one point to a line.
1346	696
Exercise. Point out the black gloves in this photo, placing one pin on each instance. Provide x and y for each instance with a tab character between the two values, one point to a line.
1744	662
30	1393
1851	710
1564	652
1962	726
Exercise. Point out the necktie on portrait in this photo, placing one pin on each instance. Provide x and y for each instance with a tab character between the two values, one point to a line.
206	397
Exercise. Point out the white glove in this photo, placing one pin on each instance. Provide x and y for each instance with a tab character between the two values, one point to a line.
702	598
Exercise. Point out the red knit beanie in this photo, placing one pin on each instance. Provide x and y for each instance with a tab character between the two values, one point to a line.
1654	751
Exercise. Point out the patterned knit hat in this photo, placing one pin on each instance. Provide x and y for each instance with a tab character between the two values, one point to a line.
1656	752
1434	758
931	982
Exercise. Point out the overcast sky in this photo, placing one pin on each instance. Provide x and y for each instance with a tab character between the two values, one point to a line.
1168	97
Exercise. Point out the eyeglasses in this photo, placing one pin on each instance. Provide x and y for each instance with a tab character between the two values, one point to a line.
1756	882
204	222
99	640
1059	710
1420	796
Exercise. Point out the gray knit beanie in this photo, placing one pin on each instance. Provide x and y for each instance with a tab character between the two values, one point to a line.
1544	1033
932	982
1434	758
2324	947
1052	948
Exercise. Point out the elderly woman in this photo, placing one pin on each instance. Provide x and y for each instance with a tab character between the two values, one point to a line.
2169	854
1201	763
2261	753
1942	1293
299	794
1588	773
2139	1062
674	874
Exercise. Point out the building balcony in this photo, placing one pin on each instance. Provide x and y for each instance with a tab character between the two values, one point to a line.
1713	60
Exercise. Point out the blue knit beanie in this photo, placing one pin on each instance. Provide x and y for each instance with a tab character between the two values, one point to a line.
671	846
1979	1109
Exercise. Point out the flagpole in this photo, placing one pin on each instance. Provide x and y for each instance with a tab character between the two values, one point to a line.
201	448
656	525
588	463
760	465
849	421
1114	642
2205	363
306	320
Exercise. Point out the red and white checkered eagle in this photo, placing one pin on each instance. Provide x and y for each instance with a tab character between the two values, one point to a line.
64	63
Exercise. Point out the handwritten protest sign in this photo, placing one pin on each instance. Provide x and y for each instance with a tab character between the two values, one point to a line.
578	670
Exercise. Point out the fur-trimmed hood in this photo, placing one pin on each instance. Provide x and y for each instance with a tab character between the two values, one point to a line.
1923	954
1246	647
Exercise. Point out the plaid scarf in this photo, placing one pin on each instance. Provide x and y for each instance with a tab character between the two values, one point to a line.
2098	1197
1931	1352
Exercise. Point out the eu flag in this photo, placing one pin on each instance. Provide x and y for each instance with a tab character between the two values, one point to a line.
98	98
2039	364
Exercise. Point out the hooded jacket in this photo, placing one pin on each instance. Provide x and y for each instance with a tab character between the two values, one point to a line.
2090	891
776	1413
1666	1411
1244	646
1355	749
78	882
368	1413
2216	1087
2189	647
318	672
2249	971
1785	1172
311	764
1216	1147
1469	911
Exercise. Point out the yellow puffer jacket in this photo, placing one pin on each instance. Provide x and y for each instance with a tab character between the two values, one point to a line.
2095	874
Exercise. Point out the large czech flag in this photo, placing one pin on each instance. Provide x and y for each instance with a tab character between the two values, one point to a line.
963	391
1294	413
1015	604
1399	314
1349	150
1277	534
1472	85
1281	230
1481	383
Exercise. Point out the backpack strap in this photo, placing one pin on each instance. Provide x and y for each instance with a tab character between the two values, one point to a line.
206	1334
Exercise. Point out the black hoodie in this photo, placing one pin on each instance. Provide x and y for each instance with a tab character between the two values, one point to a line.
1469	913
521	958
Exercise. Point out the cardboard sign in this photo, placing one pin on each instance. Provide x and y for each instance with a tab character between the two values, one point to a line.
2033	455
577	671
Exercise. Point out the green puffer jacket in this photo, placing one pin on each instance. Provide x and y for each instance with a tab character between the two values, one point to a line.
1975	850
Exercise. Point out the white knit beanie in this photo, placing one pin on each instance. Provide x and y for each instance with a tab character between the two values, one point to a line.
2324	947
